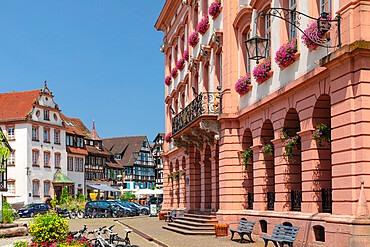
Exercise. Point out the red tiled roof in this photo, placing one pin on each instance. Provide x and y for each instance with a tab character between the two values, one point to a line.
93	133
114	165
94	150
78	127
76	150
15	106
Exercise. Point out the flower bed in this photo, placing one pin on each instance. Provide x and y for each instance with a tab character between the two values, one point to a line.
321	133
186	55
193	39
312	33
261	71
203	25
243	85
285	55
180	65
174	73
215	9
168	137
168	80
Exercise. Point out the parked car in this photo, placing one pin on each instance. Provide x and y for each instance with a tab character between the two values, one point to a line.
143	209
155	200
135	209
127	211
102	209
33	209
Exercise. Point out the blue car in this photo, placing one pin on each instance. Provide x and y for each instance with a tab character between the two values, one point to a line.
33	209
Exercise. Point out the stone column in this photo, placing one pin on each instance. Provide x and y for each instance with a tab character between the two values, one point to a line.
214	182
282	190
259	179
182	184
166	205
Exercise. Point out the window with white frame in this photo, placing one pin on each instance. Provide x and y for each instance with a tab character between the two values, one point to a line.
35	188
268	34
47	159
11	187
118	157
80	164
77	164
46	188
11	159
56	137
35	133
35	158
70	163
325	6
46	115
46	135
10	132
57	160
292	19
248	61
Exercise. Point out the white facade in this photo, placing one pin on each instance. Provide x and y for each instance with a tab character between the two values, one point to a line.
77	174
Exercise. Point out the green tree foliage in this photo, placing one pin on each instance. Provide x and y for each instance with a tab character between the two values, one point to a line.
64	197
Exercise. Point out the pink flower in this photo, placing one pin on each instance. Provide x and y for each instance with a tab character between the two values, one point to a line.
261	71
243	85
193	39
180	64
174	72
168	80
203	25
214	9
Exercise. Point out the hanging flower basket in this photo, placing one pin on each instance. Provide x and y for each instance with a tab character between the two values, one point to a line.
313	33
285	55
174	73
243	85
203	25
289	143
180	65
267	149
168	80
186	55
215	9
170	178
247	157
193	39
262	70
321	133
177	176
168	137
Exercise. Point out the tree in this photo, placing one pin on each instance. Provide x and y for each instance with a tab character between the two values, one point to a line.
64	196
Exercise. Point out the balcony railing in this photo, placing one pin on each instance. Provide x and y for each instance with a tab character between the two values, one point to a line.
296	197
250	200
207	103
270	200
326	200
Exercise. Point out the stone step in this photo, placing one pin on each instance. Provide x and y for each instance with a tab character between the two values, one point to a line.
193	223
201	220
193	228
187	232
202	216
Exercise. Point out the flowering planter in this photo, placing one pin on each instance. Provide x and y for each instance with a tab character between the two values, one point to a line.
243	85
174	73
313	33
186	55
168	80
180	65
215	9
193	39
168	137
285	55
262	71
203	25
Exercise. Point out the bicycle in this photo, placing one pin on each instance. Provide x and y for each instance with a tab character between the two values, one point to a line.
112	241
76	213
81	233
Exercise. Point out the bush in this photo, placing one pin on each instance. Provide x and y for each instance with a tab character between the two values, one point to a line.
21	244
64	197
48	228
127	196
8	213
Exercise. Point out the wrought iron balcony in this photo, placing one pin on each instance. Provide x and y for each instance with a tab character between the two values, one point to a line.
206	103
250	200
296	197
270	200
326	200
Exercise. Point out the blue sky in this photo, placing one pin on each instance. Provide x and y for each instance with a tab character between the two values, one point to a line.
101	59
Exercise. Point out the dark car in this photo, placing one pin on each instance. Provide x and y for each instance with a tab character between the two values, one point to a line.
105	208
33	209
144	209
155	200
136	210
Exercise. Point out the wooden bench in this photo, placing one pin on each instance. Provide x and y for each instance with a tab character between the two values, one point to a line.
244	228
170	216
282	235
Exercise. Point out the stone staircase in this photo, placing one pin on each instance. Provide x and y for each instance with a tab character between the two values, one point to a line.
193	224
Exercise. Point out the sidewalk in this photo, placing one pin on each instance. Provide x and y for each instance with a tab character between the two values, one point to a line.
153	227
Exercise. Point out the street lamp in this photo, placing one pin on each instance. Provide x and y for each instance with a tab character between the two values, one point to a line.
256	47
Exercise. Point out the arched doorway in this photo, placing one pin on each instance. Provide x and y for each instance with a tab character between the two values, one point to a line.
322	175
247	143
206	180
267	135
294	168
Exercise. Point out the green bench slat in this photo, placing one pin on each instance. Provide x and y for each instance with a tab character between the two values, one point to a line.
277	239
282	234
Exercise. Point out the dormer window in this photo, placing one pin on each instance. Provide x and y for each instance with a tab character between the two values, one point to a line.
144	144
46	115
118	157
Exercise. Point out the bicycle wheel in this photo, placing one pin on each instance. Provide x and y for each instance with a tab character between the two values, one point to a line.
80	214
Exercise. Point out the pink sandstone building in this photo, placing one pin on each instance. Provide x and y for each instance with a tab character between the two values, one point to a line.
315	187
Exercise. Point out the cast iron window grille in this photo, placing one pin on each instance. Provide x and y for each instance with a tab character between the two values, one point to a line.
270	200
250	200
326	200
296	197
206	103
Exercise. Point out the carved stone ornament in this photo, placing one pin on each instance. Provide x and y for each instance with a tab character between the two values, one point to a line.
185	2
203	53
215	39
190	139
206	136
211	125
195	3
181	144
193	64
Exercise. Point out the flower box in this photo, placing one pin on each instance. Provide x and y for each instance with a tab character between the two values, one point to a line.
180	65
174	73
186	55
168	80
285	55
243	85
203	25
312	33
168	137
215	9
262	71
193	39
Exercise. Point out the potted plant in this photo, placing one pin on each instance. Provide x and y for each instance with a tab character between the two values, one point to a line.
312	32
321	133
180	65
170	178
215	9
168	137
289	142
203	25
243	85
174	73
186	55
177	176
246	156
168	80
267	149
262	70
193	39
183	173
285	55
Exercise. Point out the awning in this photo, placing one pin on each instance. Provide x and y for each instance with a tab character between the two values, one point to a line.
102	187
60	178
